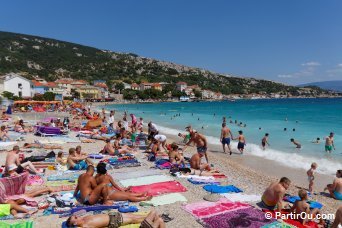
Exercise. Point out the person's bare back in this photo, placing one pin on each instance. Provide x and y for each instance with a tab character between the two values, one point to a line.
11	159
86	185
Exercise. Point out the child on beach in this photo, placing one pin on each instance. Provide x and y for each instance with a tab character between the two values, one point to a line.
311	176
242	142
264	141
301	206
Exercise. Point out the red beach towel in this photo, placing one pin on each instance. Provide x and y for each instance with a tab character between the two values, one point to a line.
159	188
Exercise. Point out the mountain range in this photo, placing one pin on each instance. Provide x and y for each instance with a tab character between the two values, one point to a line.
328	85
52	59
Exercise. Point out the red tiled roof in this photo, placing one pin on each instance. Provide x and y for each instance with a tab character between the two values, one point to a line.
134	85
101	85
64	81
156	85
181	83
51	84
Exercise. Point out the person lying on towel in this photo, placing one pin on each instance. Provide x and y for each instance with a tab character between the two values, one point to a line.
41	146
116	219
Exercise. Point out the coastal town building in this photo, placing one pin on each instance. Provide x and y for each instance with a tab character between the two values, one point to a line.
181	86
18	85
145	85
135	86
126	85
39	88
157	86
89	92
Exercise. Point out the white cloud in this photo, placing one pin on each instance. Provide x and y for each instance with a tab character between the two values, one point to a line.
311	64
339	65
285	76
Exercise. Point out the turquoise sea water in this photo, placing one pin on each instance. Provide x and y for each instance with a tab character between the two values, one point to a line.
311	118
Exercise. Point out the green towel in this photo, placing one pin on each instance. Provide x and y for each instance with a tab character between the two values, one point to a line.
26	224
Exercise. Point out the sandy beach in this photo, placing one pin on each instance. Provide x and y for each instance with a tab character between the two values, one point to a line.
249	173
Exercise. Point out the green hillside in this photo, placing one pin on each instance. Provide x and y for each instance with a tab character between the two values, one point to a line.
52	59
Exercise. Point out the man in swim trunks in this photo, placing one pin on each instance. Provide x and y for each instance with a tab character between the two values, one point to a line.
116	219
200	141
329	143
273	195
297	144
226	135
87	190
264	141
77	162
335	189
242	142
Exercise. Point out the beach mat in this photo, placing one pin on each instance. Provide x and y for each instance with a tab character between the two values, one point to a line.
240	197
23	224
132	175
292	222
166	199
159	188
199	181
247	217
221	188
204	209
145	180
313	204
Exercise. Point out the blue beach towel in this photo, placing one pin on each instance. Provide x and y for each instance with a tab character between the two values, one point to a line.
221	189
202	182
313	204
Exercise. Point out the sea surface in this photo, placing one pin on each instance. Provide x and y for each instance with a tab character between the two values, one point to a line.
304	120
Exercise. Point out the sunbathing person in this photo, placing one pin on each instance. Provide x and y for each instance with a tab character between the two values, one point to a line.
77	162
190	171
175	157
13	165
116	219
4	134
273	195
97	136
112	150
13	206
114	191
335	189
41	146
155	148
301	206
87	190
4	116
123	148
21	128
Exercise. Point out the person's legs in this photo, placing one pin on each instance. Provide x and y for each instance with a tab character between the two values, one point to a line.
132	218
30	166
100	190
38	192
153	220
122	196
15	208
311	186
224	147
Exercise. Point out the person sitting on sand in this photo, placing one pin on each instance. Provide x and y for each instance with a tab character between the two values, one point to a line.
335	189
12	207
79	152
41	146
111	150
273	195
301	206
13	164
77	162
114	191
87	190
311	176
116	219
155	149
4	116
175	157
200	141
20	127
296	143
61	162
4	134
195	163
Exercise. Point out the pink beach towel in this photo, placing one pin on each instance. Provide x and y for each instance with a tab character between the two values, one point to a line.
35	180
14	185
205	209
29	201
159	188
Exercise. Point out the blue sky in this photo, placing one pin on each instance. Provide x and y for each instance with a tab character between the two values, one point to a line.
291	41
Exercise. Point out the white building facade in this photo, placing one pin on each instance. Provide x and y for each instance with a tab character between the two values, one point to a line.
18	85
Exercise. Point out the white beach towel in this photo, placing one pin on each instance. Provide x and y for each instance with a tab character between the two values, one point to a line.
135	174
240	197
145	180
6	144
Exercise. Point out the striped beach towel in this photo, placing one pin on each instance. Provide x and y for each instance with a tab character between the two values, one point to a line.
14	185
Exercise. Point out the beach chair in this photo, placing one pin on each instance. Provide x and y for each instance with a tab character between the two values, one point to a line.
48	131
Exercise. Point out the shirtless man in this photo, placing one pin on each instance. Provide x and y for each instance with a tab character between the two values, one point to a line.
79	152
13	162
335	189
87	189
122	149
200	141
264	141
226	135
297	144
329	143
273	195
77	162
114	191
116	219
242	142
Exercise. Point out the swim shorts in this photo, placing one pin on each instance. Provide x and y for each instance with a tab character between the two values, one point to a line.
82	165
225	141
328	148
201	149
5	209
263	144
241	145
338	195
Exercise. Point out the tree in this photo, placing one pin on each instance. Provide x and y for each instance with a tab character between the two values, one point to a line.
49	96
197	93
8	95
119	86
75	94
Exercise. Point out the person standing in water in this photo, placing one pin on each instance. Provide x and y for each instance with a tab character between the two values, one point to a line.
242	142
329	143
226	135
264	141
297	144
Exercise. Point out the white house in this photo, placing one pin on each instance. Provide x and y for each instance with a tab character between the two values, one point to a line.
181	86
18	85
